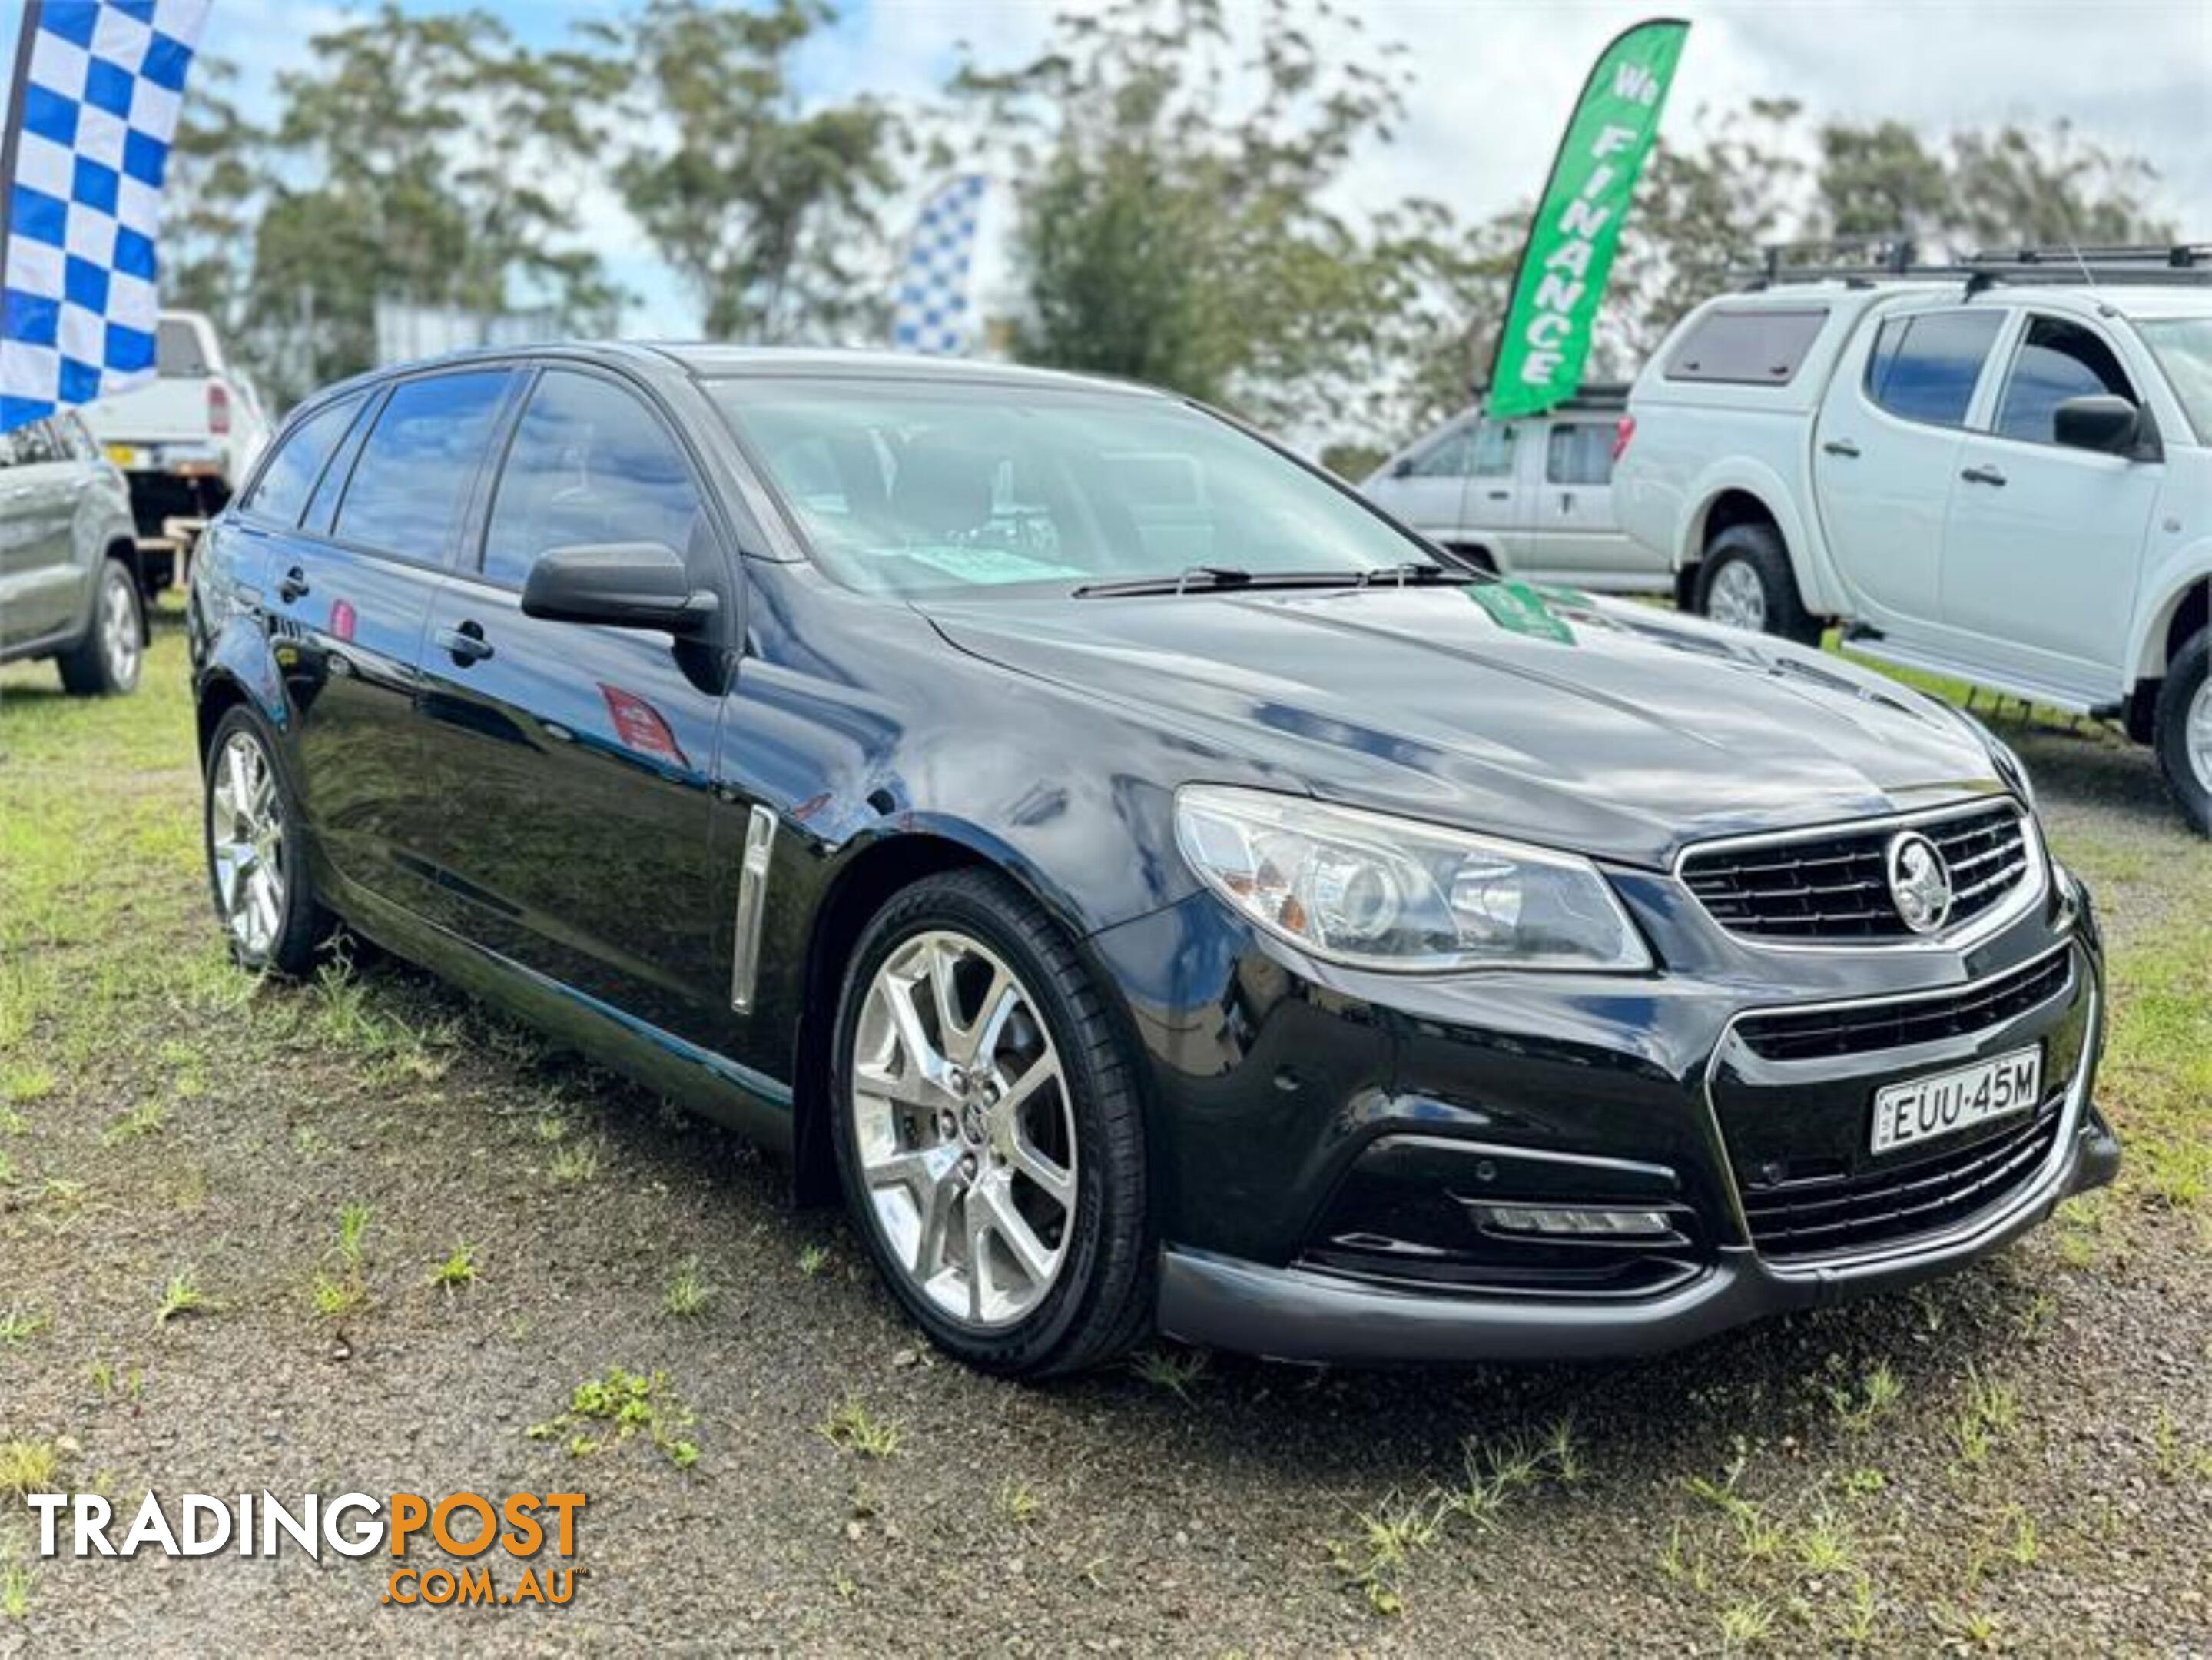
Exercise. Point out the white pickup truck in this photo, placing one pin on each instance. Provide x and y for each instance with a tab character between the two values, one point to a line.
2000	472
184	440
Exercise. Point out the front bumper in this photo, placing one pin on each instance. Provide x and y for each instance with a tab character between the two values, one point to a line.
1330	1149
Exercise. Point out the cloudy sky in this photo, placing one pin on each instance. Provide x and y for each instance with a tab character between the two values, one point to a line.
1498	78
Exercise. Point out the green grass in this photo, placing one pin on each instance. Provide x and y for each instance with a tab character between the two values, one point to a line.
620	1406
687	1292
458	1268
182	1295
852	1428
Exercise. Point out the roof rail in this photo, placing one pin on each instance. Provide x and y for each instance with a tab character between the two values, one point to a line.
1893	259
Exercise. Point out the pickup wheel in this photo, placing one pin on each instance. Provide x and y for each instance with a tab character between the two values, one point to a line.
988	1132
1745	582
2183	730
107	660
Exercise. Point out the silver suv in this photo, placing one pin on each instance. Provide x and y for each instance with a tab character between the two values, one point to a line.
68	562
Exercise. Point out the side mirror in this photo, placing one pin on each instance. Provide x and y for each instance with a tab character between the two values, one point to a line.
1402	467
621	585
2099	421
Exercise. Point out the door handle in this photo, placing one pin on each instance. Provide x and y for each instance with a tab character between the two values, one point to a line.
1983	475
1501	496
294	585
466	643
1566	502
1842	446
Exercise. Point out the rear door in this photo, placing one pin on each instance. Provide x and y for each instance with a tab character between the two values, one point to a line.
574	762
43	592
1885	454
2043	550
387	486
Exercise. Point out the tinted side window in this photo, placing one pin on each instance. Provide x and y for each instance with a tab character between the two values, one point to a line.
590	463
37	443
411	486
282	490
1450	457
1580	452
2056	360
1759	347
1924	368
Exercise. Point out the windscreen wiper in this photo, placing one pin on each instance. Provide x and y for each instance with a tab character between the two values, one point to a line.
1219	579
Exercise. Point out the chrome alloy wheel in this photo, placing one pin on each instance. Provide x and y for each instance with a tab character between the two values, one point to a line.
965	1129
2198	736
119	632
1738	598
245	842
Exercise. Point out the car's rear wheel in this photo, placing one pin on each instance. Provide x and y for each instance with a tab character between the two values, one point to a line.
108	659
989	1136
265	896
2183	730
1746	583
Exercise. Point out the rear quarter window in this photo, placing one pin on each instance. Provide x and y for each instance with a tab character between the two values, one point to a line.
281	491
1748	346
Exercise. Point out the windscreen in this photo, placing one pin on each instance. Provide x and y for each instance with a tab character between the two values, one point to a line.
2183	346
990	488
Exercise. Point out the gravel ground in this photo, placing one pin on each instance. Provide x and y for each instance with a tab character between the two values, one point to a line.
2019	1458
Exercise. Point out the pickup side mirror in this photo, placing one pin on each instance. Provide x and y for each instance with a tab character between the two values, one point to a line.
1402	467
621	585
2098	422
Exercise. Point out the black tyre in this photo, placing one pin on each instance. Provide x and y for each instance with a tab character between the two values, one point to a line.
257	868
1746	581
2182	729
988	1134
108	659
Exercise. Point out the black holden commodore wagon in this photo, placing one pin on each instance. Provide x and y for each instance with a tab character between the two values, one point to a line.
1158	891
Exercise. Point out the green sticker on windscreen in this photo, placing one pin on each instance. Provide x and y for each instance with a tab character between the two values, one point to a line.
988	567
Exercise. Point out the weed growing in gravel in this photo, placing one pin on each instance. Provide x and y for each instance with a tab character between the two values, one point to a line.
458	1268
1018	1501
1745	1625
345	1292
24	1320
16	1582
182	1295
1376	1562
1172	1370
1824	1546
576	1164
687	1294
28	1466
352	1230
21	1085
608	1410
1877	1392
147	1118
9	1174
852	1428
1991	1411
102	1375
551	1126
813	1259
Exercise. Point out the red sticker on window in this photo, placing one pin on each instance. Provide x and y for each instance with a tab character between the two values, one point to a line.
639	727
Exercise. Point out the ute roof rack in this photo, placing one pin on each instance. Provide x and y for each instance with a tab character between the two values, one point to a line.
1591	395
1863	262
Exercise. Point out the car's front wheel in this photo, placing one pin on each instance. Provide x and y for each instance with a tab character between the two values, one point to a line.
265	896
989	1136
2182	729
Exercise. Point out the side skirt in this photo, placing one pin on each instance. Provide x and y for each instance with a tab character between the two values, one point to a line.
715	1086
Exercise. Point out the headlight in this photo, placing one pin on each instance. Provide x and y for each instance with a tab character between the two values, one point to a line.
1377	892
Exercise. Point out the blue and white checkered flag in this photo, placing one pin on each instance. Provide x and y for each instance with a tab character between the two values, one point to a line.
91	112
931	314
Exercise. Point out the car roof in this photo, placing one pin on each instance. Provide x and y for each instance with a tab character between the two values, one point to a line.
2134	298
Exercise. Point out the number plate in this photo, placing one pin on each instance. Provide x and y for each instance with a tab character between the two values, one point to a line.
1947	1101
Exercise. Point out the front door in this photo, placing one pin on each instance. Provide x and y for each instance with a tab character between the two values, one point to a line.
1571	528
1430	492
1885	457
2045	544
575	762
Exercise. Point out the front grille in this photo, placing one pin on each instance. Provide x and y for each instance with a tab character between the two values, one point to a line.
1938	1190
1861	1029
1836	887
